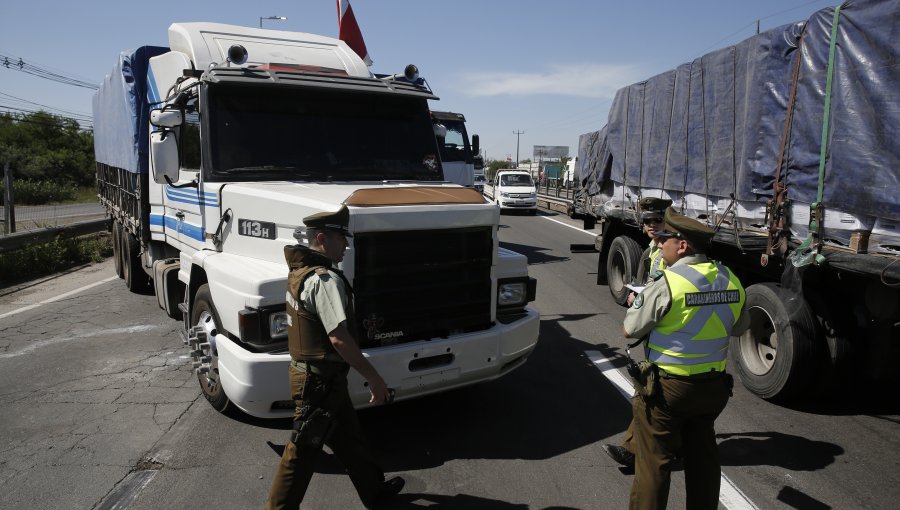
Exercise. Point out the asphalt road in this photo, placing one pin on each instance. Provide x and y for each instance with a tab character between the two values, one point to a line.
99	409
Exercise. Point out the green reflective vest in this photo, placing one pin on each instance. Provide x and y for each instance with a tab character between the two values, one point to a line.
656	261
692	337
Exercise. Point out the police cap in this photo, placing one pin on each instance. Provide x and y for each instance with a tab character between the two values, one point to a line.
332	220
651	206
682	227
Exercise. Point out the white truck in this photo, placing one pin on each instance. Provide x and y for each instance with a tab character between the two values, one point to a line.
209	154
458	156
512	190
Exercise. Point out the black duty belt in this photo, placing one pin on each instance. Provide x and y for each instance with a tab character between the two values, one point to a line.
322	368
712	374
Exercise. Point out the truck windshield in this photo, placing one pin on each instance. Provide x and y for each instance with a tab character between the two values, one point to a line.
455	146
262	133
516	180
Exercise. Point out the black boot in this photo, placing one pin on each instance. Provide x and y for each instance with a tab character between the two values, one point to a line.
389	489
619	454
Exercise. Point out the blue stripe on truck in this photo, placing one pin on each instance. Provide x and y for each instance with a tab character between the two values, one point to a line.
181	227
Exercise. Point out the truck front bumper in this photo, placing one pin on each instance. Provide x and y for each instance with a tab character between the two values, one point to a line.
257	383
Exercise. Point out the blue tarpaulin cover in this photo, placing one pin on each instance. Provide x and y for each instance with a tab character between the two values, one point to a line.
122	113
714	126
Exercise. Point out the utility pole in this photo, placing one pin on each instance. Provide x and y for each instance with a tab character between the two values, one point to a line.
518	134
757	27
9	223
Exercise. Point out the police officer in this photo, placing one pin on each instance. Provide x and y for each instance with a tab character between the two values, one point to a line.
322	343
652	212
686	316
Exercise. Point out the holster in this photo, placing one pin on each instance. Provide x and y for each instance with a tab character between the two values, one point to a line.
313	427
646	379
315	424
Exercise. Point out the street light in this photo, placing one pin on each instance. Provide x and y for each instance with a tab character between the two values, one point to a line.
270	17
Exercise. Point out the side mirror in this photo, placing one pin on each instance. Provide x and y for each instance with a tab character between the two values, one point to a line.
166	118
164	156
476	145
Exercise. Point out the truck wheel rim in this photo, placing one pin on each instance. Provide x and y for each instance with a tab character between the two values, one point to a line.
759	344
210	379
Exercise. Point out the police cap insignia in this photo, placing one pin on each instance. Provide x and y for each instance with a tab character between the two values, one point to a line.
654	204
332	220
679	225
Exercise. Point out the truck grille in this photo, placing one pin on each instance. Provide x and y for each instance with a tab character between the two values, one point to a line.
416	285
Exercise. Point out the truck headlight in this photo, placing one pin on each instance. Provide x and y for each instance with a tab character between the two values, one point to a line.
533	194
278	325
504	194
263	328
515	292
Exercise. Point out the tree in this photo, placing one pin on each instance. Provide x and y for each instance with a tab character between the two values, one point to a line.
496	165
43	147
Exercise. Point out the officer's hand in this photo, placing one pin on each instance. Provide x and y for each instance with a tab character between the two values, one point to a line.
630	298
379	390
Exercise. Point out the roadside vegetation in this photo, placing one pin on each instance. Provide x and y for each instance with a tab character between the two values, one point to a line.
52	162
51	158
34	261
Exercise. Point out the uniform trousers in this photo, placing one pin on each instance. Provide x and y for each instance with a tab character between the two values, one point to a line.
678	421
329	392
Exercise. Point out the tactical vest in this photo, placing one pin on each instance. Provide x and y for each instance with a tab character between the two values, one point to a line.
692	337
307	338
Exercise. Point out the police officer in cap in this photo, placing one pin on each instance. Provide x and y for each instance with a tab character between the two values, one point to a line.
686	316
652	212
322	343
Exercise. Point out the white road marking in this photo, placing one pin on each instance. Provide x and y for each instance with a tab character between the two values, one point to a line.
588	232
730	496
56	298
84	334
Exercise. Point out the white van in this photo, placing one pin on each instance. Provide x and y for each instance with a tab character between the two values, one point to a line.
513	189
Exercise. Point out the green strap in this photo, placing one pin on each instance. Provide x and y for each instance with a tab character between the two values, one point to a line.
805	254
827	113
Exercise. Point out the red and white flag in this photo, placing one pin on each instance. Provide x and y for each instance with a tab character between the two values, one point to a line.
349	32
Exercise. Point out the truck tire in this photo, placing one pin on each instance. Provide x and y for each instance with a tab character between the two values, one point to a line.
643	266
136	279
117	247
776	357
837	353
204	314
621	267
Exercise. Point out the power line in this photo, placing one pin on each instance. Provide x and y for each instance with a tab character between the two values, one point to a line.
26	116
76	115
756	22
18	64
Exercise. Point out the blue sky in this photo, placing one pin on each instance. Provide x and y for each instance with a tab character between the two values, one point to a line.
549	69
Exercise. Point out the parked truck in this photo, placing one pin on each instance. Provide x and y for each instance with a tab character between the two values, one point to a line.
786	144
458	156
209	154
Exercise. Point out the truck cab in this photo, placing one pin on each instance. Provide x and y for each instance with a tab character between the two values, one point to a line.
249	132
458	156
